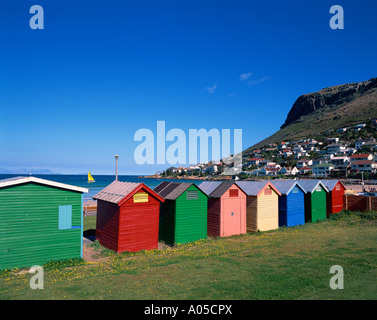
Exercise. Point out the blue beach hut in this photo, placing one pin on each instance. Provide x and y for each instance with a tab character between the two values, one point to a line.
291	202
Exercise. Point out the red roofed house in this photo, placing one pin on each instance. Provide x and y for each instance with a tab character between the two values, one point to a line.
254	161
305	170
361	156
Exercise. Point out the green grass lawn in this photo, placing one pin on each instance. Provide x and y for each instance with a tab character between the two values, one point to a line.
289	263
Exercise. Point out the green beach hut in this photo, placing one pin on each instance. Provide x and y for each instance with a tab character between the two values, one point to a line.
183	215
40	221
315	200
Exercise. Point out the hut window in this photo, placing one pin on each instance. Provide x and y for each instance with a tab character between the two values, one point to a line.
192	194
337	188
267	192
318	189
65	217
233	193
141	197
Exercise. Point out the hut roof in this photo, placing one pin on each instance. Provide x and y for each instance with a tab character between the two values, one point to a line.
310	185
21	180
330	184
254	188
118	192
215	189
286	186
172	190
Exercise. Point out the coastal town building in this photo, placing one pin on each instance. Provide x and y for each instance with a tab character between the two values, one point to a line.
361	156
365	166
340	160
335	148
323	169
305	170
289	171
304	163
359	143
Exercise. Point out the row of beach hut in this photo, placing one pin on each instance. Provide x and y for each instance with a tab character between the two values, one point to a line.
133	217
42	220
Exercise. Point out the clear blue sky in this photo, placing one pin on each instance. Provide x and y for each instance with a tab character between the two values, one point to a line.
73	95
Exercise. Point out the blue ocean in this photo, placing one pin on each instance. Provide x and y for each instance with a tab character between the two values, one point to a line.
101	181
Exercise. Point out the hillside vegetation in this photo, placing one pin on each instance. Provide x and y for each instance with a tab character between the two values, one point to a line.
312	115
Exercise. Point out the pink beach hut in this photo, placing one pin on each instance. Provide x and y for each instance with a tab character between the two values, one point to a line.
226	208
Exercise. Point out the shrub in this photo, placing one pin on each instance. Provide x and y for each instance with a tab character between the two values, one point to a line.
347	214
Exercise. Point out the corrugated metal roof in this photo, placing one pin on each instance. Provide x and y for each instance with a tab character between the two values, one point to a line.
251	188
20	180
310	185
330	184
172	190
116	191
209	186
215	189
221	189
161	186
285	186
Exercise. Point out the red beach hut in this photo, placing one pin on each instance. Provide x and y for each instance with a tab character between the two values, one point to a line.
226	208
128	217
335	196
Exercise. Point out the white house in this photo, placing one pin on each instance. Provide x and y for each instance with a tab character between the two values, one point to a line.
211	169
361	157
366	166
319	161
270	170
254	161
335	148
340	160
323	169
305	170
289	171
359	127
266	162
304	163
360	142
333	140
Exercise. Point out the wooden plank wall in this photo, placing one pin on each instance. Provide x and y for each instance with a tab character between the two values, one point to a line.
360	203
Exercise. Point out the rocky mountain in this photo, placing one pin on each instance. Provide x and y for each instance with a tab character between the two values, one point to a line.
331	97
314	114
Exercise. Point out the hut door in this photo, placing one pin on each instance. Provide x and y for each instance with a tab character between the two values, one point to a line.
231	216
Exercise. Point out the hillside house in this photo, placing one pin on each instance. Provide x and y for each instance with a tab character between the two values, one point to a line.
304	163
254	161
333	140
359	127
272	170
361	157
305	170
341	130
289	171
319	161
360	142
299	155
211	169
266	162
298	148
369	145
335	148
340	160
323	169
286	153
365	166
